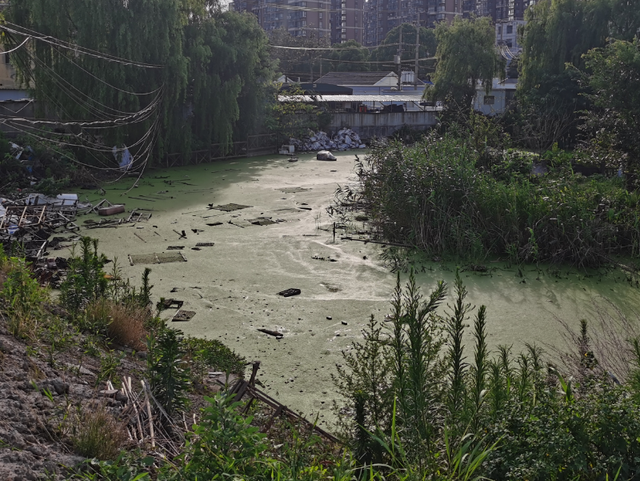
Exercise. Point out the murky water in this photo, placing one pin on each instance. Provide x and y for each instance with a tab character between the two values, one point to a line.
232	286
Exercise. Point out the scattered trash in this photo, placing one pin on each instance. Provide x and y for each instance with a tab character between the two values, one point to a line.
229	207
276	334
290	292
175	248
329	318
325	155
156	258
169	303
293	190
261	221
213	224
183	316
111	210
344	139
205	244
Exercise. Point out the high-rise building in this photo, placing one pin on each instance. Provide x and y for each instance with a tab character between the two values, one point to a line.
369	21
337	20
347	21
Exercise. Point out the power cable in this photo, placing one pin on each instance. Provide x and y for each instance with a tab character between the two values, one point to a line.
75	48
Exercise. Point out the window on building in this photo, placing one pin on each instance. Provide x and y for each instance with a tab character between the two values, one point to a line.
509	43
320	15
499	29
489	100
509	28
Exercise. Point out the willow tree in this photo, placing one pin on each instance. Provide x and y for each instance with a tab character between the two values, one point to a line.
229	70
466	56
557	35
171	74
76	76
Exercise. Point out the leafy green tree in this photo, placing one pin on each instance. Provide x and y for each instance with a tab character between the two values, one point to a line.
79	86
556	35
193	75
349	57
466	56
614	121
228	72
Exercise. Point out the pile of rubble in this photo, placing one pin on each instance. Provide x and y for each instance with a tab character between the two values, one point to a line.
345	139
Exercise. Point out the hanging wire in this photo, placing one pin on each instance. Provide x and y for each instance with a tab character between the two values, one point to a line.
20	30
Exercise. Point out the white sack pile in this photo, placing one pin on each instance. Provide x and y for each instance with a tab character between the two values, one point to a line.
345	139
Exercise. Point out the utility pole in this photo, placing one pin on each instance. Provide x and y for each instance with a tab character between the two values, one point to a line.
399	60
415	67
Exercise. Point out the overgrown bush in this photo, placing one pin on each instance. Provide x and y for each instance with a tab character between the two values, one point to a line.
415	404
22	299
85	281
168	371
120	323
437	196
97	434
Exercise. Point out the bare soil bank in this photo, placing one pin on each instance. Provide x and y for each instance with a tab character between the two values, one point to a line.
233	285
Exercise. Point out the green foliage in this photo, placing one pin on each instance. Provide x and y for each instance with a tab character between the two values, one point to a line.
85	279
224	444
209	354
109	364
167	370
208	86
22	299
126	467
500	418
228	70
466	56
614	120
441	196
292	119
349	56
557	35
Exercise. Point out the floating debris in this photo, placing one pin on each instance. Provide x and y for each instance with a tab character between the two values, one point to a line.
156	258
229	207
183	316
290	292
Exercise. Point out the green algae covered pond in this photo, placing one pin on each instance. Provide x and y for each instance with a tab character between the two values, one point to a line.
282	238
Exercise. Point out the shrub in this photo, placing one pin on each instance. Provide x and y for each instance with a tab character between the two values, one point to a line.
23	299
97	434
85	279
441	197
168	373
224	444
123	324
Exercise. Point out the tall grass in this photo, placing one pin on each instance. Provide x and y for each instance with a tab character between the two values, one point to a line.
501	416
446	197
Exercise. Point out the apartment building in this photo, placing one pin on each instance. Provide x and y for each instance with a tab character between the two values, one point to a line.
337	20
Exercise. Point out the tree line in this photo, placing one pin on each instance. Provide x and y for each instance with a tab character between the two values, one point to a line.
208	75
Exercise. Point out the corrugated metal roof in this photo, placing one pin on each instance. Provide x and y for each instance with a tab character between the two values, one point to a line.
350	98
